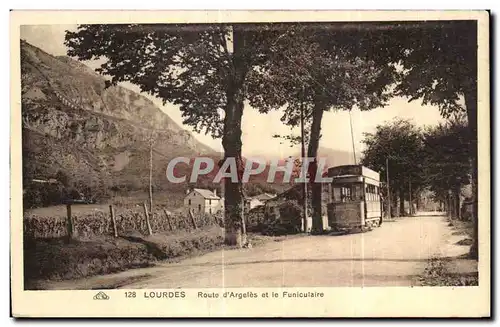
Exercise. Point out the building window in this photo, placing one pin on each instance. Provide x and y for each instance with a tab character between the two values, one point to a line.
189	201
199	207
210	201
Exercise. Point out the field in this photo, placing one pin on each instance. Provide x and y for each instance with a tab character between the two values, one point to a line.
134	200
93	250
57	259
59	211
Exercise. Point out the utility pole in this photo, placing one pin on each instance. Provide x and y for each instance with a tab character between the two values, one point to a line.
352	138
409	188
388	188
303	153
449	205
151	141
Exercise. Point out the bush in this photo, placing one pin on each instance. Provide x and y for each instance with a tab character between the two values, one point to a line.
56	259
277	228
289	221
99	223
42	195
291	213
255	219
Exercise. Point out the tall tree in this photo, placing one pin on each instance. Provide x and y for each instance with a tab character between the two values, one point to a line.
438	61
400	142
447	164
202	68
310	74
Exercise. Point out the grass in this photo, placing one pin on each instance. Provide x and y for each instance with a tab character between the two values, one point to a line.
56	259
163	200
59	211
454	271
439	273
462	227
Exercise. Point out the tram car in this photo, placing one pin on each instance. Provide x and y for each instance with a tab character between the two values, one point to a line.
354	201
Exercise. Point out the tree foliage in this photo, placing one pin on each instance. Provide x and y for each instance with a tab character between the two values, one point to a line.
435	158
436	60
446	155
438	65
400	143
308	76
203	68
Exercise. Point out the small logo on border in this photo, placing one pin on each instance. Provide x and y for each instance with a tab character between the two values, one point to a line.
101	296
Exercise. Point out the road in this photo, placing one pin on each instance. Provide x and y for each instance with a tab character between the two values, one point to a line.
392	255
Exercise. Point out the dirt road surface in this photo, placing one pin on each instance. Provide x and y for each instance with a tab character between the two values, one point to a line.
393	255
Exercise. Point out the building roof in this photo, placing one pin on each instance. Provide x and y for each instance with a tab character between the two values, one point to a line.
264	196
207	194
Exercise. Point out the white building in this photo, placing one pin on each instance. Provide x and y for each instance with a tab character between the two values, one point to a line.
202	200
252	203
264	197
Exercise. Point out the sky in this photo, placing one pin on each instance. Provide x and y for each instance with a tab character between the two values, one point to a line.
258	129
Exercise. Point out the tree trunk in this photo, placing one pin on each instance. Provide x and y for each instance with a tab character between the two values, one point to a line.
305	226
394	204
401	202
471	104
452	206
470	98
456	202
312	152
151	174
231	141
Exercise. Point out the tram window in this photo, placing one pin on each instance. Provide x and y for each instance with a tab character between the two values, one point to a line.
359	192
336	194
347	193
371	193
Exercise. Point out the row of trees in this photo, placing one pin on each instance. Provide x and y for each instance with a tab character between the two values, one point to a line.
433	158
210	70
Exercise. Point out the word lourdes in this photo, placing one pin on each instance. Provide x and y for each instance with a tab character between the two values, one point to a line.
310	170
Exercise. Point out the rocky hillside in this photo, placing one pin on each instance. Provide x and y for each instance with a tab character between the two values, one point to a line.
92	137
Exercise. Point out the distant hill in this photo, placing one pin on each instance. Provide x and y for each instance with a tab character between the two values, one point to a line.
333	157
96	140
336	157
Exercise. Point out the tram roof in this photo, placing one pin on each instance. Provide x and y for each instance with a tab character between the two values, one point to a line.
353	170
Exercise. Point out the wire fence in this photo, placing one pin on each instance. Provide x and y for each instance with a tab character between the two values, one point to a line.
116	222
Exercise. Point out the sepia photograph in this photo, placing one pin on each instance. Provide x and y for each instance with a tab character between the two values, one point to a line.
271	158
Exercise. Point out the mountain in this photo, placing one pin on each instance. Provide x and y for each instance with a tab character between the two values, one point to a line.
336	157
93	138
333	157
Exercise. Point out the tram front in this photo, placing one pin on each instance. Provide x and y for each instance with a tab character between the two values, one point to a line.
354	201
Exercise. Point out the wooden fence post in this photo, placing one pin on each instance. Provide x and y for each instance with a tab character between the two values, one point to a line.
192	218
113	220
168	219
69	222
147	218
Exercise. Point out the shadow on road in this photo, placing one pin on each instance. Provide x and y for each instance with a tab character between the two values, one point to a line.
308	261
